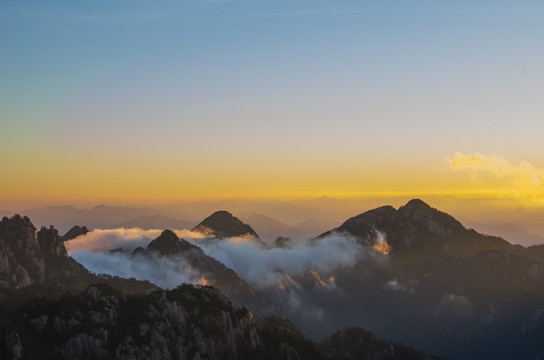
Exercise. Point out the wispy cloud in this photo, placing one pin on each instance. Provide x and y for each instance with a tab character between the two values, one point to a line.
524	173
260	266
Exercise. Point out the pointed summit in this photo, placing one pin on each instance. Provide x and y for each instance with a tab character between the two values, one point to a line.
435	220
417	204
222	224
168	243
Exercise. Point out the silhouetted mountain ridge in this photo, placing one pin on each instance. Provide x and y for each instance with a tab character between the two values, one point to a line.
168	243
418	227
222	224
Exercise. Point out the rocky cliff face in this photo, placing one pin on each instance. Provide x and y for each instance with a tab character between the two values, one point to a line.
50	242
21	260
31	258
185	323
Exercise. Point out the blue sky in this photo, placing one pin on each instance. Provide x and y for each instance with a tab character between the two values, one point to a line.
379	84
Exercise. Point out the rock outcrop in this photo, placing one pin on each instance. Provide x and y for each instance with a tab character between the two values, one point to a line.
75	232
21	260
50	242
39	258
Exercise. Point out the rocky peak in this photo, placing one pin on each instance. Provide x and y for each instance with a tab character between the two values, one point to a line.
417	204
50	242
168	243
437	222
75	232
21	261
416	225
19	232
222	224
418	209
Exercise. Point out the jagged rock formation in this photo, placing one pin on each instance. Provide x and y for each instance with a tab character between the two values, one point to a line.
22	261
75	232
184	323
222	224
31	258
50	242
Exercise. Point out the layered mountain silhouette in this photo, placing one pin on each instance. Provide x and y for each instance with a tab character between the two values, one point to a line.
514	233
222	224
147	222
101	216
269	228
75	314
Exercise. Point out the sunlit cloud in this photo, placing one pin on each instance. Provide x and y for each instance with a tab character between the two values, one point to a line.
522	174
381	246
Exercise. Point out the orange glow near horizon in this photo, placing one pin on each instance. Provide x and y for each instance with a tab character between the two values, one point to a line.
56	177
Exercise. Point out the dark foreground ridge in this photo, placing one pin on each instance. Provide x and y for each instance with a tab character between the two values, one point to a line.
188	322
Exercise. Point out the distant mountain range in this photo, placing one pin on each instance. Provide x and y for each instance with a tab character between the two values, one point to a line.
109	217
147	222
270	229
102	216
514	233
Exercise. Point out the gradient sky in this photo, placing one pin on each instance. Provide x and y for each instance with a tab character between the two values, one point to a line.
160	101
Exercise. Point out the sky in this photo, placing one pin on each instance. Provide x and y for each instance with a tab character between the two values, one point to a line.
144	102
